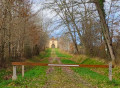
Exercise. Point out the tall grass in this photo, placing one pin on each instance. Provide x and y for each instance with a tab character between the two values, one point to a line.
62	54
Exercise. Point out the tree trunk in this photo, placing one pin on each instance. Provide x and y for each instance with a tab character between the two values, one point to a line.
75	44
105	30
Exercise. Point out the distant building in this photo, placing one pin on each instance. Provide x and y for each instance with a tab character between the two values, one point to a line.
53	43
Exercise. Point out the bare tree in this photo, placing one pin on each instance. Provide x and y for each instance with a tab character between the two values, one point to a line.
19	33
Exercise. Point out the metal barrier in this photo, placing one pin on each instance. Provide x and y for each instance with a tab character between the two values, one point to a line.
14	77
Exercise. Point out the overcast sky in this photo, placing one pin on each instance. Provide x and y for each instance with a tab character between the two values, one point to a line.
47	14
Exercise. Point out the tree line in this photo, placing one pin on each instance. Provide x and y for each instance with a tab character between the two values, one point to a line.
20	34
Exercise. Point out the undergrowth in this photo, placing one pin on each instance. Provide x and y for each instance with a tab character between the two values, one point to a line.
34	76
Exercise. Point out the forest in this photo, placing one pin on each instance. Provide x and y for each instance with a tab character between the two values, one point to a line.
23	33
86	33
20	34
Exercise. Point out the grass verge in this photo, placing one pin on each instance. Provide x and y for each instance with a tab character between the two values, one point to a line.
45	54
93	77
34	76
62	54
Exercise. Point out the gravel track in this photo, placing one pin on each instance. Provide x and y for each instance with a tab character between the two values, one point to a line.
63	77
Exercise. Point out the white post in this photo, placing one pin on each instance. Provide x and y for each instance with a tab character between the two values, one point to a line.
22	70
110	71
14	77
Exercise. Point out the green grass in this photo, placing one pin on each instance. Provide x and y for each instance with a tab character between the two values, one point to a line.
34	76
3	72
90	74
61	54
93	77
92	61
47	53
42	55
30	79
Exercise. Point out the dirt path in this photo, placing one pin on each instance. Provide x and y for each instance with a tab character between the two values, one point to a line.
63	77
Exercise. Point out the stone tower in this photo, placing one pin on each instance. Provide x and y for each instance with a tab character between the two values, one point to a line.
53	43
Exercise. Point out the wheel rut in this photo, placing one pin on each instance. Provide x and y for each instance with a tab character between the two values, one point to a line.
63	77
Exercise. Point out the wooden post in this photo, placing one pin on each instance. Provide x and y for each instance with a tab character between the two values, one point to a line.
14	77
110	71
22	70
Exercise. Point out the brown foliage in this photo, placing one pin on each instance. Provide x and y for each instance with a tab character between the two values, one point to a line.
19	34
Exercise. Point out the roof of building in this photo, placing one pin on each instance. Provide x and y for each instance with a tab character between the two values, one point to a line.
53	38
